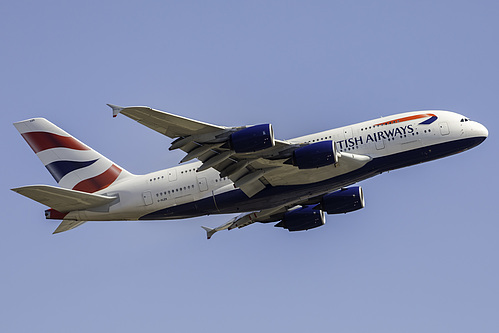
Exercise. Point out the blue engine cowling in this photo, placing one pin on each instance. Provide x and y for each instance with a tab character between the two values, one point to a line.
302	219
343	201
315	155
252	139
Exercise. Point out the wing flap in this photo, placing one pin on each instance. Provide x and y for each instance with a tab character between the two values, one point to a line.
61	199
250	189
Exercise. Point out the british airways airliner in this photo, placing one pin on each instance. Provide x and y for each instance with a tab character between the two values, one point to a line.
242	169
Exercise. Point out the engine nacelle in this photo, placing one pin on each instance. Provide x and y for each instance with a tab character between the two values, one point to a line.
252	139
343	201
302	219
315	155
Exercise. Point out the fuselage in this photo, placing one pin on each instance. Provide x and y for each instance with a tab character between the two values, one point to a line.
391	142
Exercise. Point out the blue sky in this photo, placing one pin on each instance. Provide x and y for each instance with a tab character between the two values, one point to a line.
422	255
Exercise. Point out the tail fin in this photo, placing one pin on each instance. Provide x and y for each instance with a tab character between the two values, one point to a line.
73	164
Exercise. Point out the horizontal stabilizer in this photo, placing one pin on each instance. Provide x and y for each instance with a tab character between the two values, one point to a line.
61	199
67	225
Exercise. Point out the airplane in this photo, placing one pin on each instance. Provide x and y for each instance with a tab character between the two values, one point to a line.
241	169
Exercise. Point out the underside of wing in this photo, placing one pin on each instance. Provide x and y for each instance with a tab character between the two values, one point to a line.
245	219
287	174
302	213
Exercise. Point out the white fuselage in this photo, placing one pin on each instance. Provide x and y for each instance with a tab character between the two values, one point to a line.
384	139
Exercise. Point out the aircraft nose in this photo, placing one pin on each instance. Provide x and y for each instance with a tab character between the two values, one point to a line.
480	131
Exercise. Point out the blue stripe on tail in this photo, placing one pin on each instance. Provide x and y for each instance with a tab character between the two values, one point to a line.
59	169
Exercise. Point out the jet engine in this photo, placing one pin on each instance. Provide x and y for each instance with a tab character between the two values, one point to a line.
252	139
343	201
315	155
303	218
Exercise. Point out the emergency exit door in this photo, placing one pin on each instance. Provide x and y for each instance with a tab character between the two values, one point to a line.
203	184
147	196
444	128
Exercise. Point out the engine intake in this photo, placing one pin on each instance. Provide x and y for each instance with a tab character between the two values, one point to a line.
343	201
252	139
315	155
302	219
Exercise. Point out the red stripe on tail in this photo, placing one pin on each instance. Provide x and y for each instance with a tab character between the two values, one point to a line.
99	182
40	141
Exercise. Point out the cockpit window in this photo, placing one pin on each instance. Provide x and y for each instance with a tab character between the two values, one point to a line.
464	119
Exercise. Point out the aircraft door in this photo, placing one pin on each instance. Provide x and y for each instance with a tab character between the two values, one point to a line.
380	144
147	196
347	131
172	175
203	184
444	128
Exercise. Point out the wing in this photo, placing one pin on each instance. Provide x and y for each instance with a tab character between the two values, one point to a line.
243	220
168	124
250	171
264	216
302	213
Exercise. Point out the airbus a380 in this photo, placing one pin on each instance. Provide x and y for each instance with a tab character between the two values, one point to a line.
240	169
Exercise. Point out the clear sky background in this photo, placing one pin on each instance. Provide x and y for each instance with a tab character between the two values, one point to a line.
421	257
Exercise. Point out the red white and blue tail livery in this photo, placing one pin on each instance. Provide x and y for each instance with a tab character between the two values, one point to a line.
73	164
240	169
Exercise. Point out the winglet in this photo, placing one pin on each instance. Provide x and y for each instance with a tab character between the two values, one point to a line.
209	231
116	109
